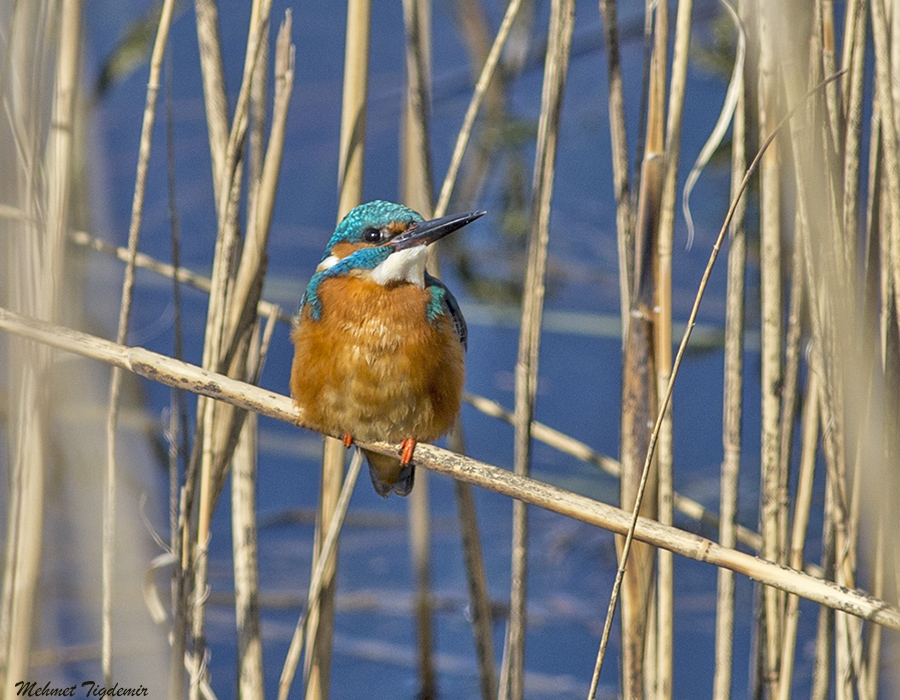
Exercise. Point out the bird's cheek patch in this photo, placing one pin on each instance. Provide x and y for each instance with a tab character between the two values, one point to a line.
345	248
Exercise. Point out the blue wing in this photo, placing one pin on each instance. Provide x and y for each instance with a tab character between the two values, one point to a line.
452	306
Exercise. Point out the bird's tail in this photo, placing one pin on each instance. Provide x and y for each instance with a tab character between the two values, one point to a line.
388	476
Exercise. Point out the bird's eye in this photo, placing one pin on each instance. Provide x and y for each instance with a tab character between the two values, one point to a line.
371	235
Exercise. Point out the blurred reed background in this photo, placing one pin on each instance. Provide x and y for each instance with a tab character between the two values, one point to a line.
105	580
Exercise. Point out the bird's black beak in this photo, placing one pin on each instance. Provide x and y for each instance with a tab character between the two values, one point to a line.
430	231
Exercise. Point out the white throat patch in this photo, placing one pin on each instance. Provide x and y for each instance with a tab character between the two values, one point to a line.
404	265
327	263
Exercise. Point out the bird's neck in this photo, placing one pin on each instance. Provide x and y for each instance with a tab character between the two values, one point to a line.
406	265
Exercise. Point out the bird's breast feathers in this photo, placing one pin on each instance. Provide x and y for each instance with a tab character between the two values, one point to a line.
378	363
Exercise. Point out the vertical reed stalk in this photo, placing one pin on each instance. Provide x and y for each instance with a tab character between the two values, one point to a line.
265	166
418	193
134	234
621	176
353	109
884	84
320	615
40	186
640	378
471	541
732	403
810	436
249	666
320	577
770	271
479	594
562	22
177	436
663	338
350	182
852	92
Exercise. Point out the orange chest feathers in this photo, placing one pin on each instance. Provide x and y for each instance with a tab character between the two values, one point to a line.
373	366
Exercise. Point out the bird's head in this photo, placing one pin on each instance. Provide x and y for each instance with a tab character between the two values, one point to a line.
386	242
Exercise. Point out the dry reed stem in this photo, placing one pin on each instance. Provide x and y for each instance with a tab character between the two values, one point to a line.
177	273
792	356
177	436
562	23
479	594
217	433
825	631
320	577
639	405
42	182
484	79
678	358
663	335
418	192
639	374
319	623
134	234
214	94
810	437
353	107
619	144
884	84
350	187
852	91
245	301
249	673
770	513
171	372
733	371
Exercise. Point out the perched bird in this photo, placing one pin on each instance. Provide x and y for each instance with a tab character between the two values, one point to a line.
379	342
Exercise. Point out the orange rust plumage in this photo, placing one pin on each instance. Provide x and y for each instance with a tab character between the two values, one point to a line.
379	343
374	368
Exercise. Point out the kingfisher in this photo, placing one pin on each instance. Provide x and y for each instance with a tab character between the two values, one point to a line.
379	343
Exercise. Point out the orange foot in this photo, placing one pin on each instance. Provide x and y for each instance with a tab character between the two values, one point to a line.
406	452
348	440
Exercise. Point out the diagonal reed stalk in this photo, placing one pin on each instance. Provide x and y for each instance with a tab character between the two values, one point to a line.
171	372
250	397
